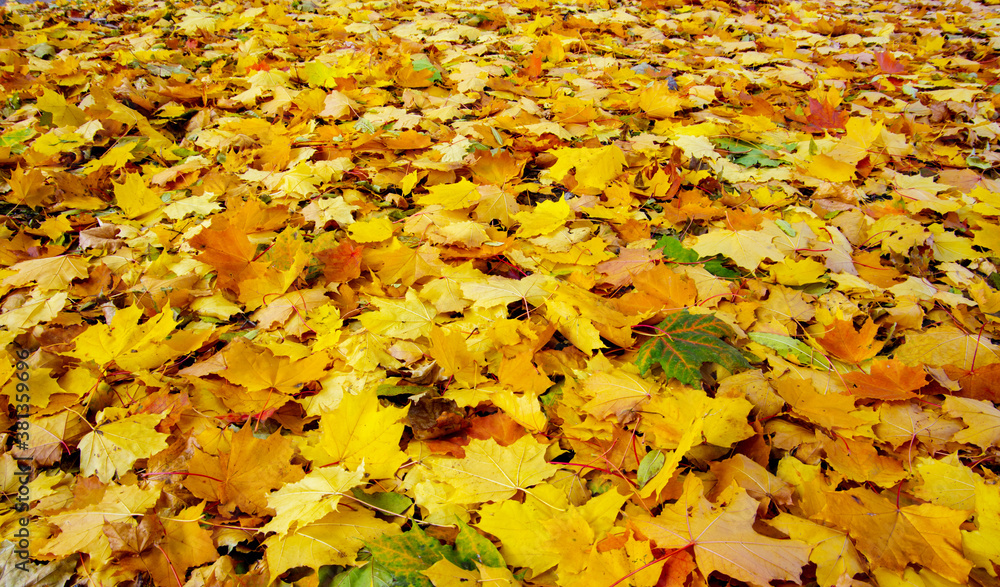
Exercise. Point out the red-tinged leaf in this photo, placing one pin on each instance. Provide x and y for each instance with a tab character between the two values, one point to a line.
887	63
825	116
889	380
684	342
341	263
500	427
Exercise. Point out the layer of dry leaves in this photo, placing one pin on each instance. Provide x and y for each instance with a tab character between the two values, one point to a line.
353	293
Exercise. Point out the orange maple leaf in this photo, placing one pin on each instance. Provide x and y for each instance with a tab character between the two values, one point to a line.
979	383
341	263
227	249
889	380
723	538
851	345
241	475
887	63
893	537
825	116
500	427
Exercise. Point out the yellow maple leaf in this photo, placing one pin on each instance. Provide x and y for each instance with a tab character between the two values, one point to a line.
827	168
947	345
450	196
333	539
314	496
49	273
618	392
63	113
953	95
660	101
522	408
836	559
543	219
982	545
134	197
948	246
696	146
595	168
746	247
451	352
115	158
40	382
579	330
337	105
802	272
946	482
202	205
258	368
371	231
358	433
558	532
132	345
112	448
861	139
445	573
490	472
408	318
982	419
493	291
82	529
893	537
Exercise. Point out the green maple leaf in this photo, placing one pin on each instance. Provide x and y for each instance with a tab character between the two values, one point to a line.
406	555
370	575
422	63
473	547
759	158
685	342
674	250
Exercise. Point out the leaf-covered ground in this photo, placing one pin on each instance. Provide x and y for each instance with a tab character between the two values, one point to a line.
499	293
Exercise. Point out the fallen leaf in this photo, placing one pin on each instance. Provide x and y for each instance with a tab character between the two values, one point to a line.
113	448
490	472
723	539
893	537
241	476
854	346
683	342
